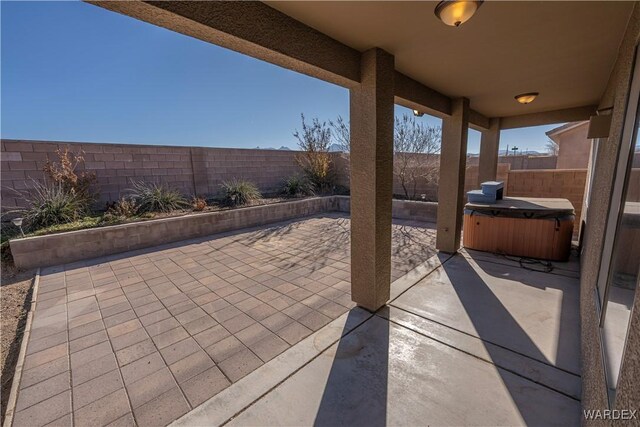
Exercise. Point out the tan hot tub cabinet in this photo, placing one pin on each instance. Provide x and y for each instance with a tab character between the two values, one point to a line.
519	226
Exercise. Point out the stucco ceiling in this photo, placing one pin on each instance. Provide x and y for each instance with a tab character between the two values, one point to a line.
564	50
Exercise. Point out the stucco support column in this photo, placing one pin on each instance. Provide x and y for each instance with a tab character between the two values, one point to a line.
371	116
489	145
453	160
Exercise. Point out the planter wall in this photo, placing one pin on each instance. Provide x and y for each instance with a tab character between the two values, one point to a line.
63	248
401	209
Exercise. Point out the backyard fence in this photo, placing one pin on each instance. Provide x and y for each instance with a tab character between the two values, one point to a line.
191	170
559	183
522	162
200	170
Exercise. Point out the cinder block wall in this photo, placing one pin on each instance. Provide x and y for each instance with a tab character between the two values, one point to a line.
429	189
200	170
268	169
561	183
191	170
471	177
522	162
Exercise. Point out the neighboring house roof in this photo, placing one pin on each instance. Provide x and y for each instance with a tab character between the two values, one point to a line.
564	128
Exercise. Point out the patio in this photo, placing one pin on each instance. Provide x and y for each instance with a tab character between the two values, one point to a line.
258	327
149	335
479	341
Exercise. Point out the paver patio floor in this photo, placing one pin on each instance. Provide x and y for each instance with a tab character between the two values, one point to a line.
478	341
143	337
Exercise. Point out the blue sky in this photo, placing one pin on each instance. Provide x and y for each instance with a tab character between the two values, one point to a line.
73	71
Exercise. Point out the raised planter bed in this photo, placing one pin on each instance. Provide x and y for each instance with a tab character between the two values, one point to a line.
401	209
63	248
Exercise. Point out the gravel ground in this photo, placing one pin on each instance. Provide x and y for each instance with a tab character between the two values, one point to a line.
16	286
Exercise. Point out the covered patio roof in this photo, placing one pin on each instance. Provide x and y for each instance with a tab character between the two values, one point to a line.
564	50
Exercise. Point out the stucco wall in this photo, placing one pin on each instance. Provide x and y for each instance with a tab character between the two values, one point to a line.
574	147
594	389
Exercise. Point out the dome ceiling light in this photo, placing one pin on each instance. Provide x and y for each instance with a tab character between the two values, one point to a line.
456	12
526	98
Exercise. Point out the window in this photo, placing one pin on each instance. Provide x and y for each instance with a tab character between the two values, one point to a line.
620	266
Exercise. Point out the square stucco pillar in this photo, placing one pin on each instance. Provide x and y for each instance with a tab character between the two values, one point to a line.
489	144
453	160
371	116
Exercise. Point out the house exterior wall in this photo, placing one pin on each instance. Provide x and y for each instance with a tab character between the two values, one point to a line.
594	388
574	147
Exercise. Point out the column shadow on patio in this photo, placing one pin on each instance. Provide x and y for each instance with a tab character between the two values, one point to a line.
498	329
562	279
355	393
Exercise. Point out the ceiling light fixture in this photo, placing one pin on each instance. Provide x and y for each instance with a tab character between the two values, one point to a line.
417	113
456	12
526	98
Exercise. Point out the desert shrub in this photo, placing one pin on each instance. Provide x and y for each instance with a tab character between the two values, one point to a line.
296	186
198	204
124	207
315	160
50	204
152	197
238	192
65	173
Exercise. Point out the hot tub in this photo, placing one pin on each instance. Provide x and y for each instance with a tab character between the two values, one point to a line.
520	226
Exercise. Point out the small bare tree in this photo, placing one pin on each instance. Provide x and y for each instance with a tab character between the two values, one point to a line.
341	134
314	141
341	137
552	147
416	154
416	150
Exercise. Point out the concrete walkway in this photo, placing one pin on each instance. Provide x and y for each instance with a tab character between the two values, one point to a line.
479	341
144	337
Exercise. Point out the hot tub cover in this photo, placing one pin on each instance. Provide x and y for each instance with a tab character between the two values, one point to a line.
523	207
